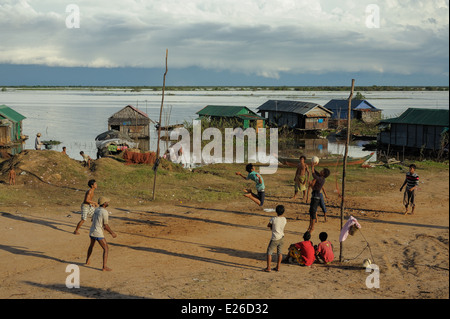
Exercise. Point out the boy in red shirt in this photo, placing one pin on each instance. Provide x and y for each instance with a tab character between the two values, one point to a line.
324	251
306	249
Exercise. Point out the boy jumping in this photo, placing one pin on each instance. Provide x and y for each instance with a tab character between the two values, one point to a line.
257	178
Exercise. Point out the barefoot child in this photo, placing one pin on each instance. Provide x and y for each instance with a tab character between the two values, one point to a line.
324	251
301	178
276	224
411	182
88	205
12	176
257	178
302	251
317	185
100	222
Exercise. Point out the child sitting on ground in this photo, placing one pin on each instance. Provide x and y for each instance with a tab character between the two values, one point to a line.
324	251
302	251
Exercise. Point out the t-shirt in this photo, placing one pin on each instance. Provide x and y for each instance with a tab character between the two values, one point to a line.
411	180
254	176
325	250
306	251
99	220
278	224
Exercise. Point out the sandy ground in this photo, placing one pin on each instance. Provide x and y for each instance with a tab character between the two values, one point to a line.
217	250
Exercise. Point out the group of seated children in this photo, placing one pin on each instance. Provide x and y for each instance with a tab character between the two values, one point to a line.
305	253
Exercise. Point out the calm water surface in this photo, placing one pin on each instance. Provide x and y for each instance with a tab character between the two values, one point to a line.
76	117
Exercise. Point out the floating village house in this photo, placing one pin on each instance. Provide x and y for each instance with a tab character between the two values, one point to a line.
360	109
416	129
134	123
10	126
242	113
296	114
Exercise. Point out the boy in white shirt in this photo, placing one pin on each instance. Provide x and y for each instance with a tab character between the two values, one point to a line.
276	224
100	222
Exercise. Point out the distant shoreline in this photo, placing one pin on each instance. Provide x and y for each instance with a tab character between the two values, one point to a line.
230	88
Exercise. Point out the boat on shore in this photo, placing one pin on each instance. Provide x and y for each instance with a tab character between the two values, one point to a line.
293	162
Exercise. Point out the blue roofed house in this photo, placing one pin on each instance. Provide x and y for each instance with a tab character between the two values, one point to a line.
360	109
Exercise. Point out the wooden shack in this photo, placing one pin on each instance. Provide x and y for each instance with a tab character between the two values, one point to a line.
242	114
416	128
10	126
360	109
296	114
133	122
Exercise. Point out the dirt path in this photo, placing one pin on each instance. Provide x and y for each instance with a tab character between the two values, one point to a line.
217	250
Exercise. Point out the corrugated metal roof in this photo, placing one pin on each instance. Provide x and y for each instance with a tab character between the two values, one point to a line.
421	116
339	104
222	110
297	107
10	114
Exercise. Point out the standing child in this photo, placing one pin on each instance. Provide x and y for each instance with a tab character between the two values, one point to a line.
12	176
260	188
316	200
301	178
100	222
411	182
276	224
324	251
88	205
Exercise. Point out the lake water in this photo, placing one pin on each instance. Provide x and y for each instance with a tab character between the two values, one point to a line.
76	117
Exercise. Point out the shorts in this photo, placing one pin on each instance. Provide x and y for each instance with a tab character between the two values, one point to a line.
261	196
315	202
300	184
97	238
87	211
278	244
409	198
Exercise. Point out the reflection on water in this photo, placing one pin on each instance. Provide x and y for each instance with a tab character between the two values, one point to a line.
76	117
323	148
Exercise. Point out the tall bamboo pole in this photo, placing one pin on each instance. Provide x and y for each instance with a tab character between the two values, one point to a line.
159	128
344	166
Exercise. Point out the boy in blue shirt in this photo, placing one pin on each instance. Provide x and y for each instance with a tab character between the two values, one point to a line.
257	178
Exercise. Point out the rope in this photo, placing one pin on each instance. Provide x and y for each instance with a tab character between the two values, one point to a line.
367	246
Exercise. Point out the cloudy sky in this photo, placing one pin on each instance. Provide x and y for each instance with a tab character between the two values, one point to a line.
226	42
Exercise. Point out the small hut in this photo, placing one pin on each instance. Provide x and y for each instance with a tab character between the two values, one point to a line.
134	123
296	114
416	129
360	109
10	126
241	113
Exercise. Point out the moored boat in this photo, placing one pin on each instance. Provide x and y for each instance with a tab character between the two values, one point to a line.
293	162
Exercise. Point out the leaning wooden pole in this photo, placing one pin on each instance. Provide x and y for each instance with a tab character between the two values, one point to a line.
155	167
344	166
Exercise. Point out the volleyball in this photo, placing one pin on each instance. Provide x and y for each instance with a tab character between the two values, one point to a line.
315	160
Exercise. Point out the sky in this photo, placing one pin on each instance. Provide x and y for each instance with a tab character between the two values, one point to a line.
226	42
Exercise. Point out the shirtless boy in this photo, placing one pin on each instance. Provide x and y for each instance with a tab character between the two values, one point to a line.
88	206
301	178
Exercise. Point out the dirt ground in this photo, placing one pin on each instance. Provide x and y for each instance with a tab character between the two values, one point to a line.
217	250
